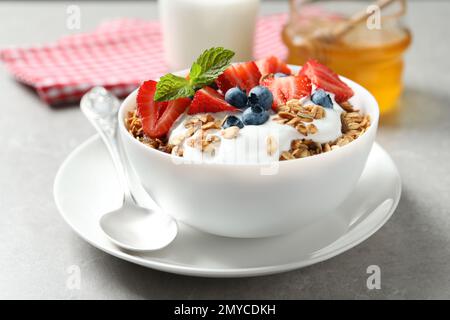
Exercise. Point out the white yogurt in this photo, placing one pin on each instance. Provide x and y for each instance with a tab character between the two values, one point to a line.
250	146
329	127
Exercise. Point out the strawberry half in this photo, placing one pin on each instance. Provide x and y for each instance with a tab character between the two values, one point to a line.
157	117
148	109
162	108
174	109
244	75
209	100
272	64
324	78
287	88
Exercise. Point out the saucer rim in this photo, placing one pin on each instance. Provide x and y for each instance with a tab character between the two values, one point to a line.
224	272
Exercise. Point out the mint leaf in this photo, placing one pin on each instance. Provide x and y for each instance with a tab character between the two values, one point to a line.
171	87
196	70
213	63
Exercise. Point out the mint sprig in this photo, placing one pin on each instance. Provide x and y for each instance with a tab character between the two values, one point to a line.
212	62
208	66
171	87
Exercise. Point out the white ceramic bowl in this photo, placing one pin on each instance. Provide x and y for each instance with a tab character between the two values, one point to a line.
238	200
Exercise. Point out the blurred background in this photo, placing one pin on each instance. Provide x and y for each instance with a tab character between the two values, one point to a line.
375	44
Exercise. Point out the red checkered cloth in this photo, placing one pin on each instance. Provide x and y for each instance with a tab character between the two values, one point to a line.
118	55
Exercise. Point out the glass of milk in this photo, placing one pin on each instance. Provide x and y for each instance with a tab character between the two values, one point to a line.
192	26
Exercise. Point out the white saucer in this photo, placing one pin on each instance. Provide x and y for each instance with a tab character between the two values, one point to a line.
86	186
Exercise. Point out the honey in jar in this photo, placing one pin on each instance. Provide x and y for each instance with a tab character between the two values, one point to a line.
372	57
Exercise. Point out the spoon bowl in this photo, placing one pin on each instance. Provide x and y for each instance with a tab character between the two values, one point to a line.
138	229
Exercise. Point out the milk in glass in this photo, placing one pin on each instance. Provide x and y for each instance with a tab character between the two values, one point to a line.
191	26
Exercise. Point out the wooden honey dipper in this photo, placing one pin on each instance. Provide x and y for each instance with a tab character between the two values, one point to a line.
322	36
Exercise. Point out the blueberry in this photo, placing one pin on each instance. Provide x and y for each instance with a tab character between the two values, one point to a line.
261	96
236	97
280	75
255	115
322	98
232	121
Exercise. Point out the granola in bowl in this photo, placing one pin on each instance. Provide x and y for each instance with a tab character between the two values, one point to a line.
204	132
251	112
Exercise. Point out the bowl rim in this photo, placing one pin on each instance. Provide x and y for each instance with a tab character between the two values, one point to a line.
372	110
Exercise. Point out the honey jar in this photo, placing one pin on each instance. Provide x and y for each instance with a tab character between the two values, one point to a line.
363	42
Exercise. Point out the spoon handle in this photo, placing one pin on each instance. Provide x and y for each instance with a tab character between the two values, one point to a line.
101	108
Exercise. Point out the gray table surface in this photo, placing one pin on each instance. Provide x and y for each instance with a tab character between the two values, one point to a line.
37	247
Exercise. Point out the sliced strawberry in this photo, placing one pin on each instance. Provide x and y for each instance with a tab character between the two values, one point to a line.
162	108
245	75
323	77
287	88
157	117
147	109
174	109
209	100
272	64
